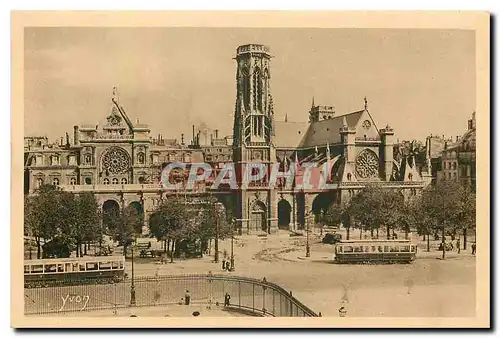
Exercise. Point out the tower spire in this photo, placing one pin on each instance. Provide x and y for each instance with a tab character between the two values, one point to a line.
366	104
313	102
286	117
115	94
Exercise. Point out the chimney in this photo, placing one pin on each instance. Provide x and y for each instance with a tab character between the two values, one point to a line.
216	133
76	136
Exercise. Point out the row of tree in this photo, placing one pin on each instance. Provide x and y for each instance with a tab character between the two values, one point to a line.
76	221
446	208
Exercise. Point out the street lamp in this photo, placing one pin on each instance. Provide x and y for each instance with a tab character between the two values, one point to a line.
308	249
132	286
232	243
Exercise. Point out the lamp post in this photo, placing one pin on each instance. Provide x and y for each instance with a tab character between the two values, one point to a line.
308	249
132	286
232	243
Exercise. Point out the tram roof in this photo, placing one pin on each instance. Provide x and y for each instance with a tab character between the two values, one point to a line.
75	260
371	241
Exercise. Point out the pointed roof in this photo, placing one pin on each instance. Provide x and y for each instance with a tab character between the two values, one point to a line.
327	131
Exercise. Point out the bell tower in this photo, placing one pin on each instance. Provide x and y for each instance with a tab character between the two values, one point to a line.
253	136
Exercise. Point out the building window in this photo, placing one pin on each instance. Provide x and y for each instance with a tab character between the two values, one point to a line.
142	180
72	160
349	176
88	159
39	182
106	181
55	181
140	158
55	160
154	159
114	181
124	181
88	180
410	176
72	181
454	165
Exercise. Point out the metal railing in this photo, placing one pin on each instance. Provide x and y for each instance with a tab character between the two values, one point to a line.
258	296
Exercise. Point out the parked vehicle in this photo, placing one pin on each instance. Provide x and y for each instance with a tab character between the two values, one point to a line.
375	251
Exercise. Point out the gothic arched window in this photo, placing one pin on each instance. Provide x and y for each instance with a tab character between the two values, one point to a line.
72	181
257	89
140	158
39	182
55	181
106	181
114	181
88	159
124	181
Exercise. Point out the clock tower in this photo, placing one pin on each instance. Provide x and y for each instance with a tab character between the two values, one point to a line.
253	135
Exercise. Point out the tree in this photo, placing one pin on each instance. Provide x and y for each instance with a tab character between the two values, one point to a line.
441	205
89	222
41	217
122	225
465	217
169	222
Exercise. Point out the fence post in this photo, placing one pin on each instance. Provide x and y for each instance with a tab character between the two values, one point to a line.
291	304
264	295
239	294
274	308
253	297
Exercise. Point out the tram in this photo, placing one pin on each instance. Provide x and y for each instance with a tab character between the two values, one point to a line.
46	272
374	251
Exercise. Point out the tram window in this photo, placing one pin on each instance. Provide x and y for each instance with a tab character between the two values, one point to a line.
394	249
380	249
405	249
386	248
37	268
374	249
121	265
26	269
114	265
50	268
358	249
91	266
348	249
82	266
67	267
60	268
367	249
75	267
104	265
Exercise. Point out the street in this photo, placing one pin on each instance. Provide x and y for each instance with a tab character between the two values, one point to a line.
428	287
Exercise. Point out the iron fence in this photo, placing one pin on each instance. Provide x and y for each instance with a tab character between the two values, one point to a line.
258	296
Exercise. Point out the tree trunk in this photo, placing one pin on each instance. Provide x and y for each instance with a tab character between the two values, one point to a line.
371	232
428	241
388	231
377	233
85	248
360	233
172	252
81	254
444	243
406	233
125	250
38	249
348	232
165	245
465	238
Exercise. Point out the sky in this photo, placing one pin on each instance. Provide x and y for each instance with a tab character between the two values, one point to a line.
419	81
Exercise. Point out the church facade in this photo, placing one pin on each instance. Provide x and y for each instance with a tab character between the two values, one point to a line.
122	163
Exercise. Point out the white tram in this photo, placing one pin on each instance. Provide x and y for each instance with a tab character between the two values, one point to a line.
43	272
375	251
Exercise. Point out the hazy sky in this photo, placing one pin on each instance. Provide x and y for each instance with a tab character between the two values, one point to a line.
418	81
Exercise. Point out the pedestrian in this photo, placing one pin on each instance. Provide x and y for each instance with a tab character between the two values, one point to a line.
474	248
227	299
228	266
187	298
223	264
458	245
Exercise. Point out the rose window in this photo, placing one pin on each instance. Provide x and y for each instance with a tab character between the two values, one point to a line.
116	161
367	164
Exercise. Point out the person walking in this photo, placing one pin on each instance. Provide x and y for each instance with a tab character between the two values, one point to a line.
227	299
474	248
223	264
458	245
187	298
